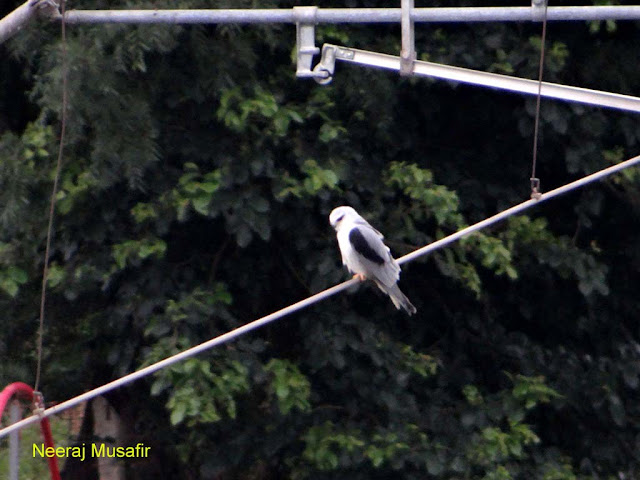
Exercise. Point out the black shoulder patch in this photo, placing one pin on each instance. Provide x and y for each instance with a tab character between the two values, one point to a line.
363	248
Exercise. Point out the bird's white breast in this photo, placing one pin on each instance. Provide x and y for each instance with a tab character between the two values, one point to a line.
350	257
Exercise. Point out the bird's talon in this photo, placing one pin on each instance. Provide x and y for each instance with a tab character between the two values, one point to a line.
360	277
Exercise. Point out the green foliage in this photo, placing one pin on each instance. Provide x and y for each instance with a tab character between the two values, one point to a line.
11	279
200	395
324	446
556	53
559	253
438	202
132	252
429	200
291	387
196	190
493	253
610	25
179	316
236	109
73	192
500	473
316	180
532	391
328	448
198	390
472	395
422	364
496	445
36	139
20	169
561	472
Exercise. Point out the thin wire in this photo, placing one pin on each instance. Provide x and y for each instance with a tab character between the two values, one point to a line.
52	204
143	372
543	39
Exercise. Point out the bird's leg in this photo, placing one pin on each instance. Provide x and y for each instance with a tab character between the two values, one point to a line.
360	277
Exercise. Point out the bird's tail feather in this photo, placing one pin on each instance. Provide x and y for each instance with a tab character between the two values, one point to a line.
398	298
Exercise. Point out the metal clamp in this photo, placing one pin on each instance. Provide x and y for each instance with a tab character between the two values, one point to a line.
538	10
535	189
408	52
324	70
305	18
38	404
47	8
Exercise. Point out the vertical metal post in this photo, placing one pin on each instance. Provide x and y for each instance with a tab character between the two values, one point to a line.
15	414
408	52
305	18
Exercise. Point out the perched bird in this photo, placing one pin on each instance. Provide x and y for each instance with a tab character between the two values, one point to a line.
366	256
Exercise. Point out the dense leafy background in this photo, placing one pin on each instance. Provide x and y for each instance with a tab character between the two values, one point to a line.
197	181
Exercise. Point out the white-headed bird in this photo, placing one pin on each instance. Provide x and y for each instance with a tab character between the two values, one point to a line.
366	256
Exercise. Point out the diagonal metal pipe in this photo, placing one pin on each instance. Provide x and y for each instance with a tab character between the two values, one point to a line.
21	16
331	53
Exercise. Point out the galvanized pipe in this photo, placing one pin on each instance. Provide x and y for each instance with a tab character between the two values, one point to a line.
408	52
354	15
15	414
485	79
17	19
246	328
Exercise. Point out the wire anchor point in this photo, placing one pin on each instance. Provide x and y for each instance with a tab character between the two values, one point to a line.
38	404
535	189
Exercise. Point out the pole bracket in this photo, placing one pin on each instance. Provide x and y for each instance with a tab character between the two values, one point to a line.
306	20
535	188
38	404
408	52
538	9
324	70
47	8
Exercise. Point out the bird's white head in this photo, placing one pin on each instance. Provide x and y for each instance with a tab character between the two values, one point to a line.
340	214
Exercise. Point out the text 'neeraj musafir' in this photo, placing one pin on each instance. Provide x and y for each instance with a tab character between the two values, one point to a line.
100	450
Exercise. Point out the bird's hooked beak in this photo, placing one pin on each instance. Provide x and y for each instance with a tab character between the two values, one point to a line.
336	221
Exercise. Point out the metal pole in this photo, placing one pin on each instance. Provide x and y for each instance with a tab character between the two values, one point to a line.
148	370
408	52
485	79
15	414
17	19
305	40
354	15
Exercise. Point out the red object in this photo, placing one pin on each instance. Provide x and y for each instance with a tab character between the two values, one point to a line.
25	392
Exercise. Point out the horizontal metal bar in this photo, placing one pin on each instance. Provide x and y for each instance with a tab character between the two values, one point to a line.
486	79
523	14
353	15
181	16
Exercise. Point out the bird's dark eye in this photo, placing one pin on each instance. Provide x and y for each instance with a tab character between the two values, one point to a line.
340	218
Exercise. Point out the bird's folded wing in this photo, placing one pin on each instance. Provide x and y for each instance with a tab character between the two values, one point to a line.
376	256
